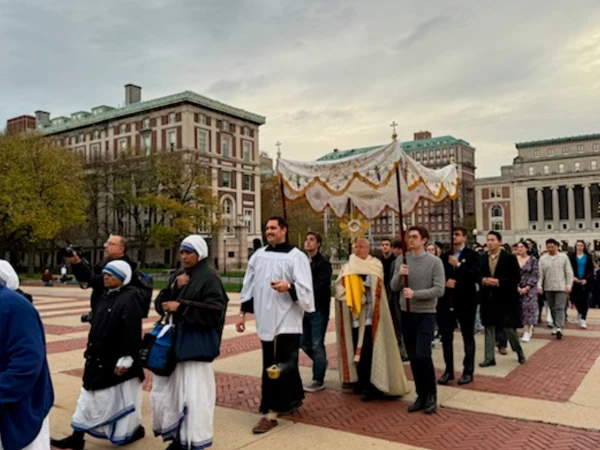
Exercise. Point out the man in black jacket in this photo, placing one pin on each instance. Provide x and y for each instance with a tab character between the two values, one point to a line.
387	259
315	323
115	248
459	303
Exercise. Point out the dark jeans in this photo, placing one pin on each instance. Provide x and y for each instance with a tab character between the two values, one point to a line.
447	321
417	330
579	296
313	342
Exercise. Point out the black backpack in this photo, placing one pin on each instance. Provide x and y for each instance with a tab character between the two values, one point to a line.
145	285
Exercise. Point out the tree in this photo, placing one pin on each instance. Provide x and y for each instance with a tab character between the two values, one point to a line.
154	199
40	192
301	217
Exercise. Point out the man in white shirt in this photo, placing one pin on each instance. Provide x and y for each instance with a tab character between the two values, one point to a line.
278	289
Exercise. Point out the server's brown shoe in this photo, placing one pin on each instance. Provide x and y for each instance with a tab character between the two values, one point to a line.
264	425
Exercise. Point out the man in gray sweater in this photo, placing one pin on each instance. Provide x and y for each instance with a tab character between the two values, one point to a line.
420	287
556	280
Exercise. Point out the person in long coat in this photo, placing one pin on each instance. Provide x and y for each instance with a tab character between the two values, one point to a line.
500	303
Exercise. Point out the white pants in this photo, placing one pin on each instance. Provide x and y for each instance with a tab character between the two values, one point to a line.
183	405
114	413
42	441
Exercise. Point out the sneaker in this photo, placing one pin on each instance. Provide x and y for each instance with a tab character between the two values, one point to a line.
526	337
554	331
313	386
583	324
579	318
559	334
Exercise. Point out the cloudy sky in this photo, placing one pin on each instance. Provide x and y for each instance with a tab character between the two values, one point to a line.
326	73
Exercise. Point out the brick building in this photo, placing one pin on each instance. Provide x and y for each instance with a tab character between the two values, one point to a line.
226	135
21	124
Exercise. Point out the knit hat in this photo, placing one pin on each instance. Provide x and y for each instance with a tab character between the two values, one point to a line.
120	270
195	244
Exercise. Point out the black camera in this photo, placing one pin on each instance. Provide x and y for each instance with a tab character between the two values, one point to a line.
72	251
86	318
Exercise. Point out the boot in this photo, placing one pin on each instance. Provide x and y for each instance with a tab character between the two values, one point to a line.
417	406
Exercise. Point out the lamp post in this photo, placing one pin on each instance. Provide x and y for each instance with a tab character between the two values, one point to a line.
475	233
224	257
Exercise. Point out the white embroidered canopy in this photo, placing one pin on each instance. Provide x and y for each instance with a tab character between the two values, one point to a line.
368	180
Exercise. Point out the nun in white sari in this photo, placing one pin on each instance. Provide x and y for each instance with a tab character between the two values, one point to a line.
183	404
110	403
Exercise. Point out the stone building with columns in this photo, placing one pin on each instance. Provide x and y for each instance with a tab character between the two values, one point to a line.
225	135
551	190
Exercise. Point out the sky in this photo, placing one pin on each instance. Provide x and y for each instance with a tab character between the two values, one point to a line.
326	73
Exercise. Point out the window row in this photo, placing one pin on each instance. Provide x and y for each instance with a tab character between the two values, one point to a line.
561	168
566	150
229	216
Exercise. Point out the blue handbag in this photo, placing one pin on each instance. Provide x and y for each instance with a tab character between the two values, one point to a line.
194	343
157	353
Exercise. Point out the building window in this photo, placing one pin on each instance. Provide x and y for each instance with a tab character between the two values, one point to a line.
593	165
246	131
577	167
496	193
226	182
172	139
122	128
536	153
147	143
202	140
248	219
498	226
596	147
247	182
146	124
228	215
565	150
171	118
561	168
546	170
225	147
496	211
95	152
122	145
580	149
531	171
96	134
550	151
225	126
247	151
202	119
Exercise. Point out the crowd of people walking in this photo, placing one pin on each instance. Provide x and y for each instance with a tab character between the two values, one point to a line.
387	310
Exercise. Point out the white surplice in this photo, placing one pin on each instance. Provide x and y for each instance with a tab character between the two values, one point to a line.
41	442
114	413
183	405
276	313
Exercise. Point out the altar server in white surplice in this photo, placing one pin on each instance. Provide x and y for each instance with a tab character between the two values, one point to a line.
278	290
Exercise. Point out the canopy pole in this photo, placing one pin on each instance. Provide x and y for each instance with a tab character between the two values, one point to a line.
402	231
283	203
451	224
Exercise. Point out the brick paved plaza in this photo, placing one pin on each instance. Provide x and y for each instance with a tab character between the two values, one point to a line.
551	402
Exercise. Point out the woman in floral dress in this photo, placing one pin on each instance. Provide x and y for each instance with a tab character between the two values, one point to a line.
528	289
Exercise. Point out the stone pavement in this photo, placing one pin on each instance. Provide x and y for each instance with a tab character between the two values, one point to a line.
551	402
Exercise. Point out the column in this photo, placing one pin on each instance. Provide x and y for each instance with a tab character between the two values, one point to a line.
393	236
540	208
587	205
555	208
571	200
